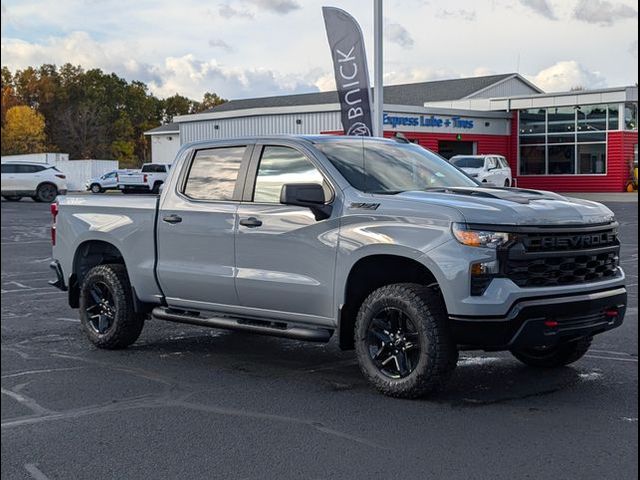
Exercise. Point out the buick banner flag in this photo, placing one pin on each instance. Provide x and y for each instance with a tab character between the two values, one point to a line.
350	70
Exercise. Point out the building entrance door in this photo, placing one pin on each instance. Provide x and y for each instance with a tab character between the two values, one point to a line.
448	148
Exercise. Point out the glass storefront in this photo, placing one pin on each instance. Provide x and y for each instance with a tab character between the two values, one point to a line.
567	140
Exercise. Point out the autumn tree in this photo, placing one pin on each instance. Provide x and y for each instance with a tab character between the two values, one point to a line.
23	131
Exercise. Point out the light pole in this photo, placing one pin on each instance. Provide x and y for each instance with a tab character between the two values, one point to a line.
378	88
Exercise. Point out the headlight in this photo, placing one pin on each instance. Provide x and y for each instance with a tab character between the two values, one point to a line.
479	238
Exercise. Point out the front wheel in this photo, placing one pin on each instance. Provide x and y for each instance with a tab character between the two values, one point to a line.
507	183
553	357
95	188
106	308
402	341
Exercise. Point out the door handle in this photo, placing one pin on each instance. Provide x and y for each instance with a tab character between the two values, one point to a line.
250	222
173	218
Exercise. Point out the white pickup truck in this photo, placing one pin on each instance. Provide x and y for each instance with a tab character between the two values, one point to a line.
148	179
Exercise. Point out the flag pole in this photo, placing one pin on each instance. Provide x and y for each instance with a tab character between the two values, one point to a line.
378	91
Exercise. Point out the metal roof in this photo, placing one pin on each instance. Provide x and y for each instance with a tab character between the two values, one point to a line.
406	94
164	129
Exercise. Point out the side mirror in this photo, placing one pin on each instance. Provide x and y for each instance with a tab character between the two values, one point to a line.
309	195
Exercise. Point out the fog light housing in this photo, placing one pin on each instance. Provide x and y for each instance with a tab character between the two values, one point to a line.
482	273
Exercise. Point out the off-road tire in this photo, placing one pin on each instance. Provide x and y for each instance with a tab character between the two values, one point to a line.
554	357
438	353
127	324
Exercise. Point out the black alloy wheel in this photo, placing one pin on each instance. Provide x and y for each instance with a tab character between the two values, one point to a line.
101	308
393	343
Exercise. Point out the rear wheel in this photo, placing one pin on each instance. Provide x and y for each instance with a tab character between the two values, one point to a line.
47	192
156	187
507	183
11	198
553	357
106	308
403	345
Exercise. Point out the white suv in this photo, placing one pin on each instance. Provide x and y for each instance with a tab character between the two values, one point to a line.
39	181
491	169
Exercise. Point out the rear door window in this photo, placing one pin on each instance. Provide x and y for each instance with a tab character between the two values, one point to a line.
7	168
214	173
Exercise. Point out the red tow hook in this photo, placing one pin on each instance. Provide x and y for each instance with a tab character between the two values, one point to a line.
612	314
551	323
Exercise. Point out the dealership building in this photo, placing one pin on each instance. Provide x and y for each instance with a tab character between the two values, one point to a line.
584	140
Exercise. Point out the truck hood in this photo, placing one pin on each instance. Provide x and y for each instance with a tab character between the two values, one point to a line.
512	206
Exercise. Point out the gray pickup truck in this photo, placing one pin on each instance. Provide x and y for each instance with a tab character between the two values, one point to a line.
382	244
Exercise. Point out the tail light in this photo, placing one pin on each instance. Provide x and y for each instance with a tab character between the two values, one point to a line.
117	177
144	178
59	175
54	214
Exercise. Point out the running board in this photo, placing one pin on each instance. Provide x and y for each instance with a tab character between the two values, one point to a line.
264	327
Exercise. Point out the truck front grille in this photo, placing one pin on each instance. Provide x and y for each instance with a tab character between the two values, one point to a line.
541	259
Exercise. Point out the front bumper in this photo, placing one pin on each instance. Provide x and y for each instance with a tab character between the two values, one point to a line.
543	321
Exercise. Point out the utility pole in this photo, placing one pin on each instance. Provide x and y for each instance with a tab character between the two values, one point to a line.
378	88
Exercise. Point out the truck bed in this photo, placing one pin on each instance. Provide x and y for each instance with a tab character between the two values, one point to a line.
126	222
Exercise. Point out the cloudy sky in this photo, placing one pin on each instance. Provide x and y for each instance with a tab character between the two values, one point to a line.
247	48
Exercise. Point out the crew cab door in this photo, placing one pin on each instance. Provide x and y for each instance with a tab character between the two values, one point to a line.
285	258
197	221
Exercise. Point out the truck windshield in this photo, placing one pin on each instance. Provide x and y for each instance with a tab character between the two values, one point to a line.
468	162
376	166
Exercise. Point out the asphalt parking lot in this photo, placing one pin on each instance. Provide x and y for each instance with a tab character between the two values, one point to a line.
186	402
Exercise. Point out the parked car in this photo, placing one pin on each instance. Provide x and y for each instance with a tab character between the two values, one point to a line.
491	169
41	182
108	181
149	179
402	257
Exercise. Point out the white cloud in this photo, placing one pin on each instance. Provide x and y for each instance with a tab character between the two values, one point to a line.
219	43
396	33
227	11
186	74
467	15
565	75
281	7
414	75
541	7
603	12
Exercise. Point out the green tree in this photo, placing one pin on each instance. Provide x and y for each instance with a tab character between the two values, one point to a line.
177	105
209	101
23	131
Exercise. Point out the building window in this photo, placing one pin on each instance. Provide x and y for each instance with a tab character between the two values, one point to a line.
631	116
592	158
614	119
565	140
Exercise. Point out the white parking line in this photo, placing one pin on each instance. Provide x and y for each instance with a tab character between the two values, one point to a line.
610	352
632	360
74	320
35	472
